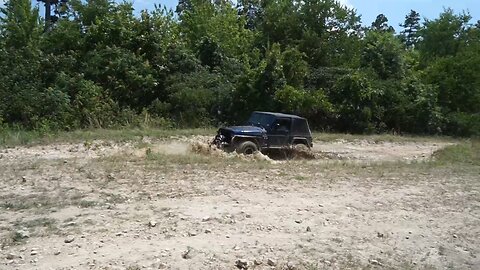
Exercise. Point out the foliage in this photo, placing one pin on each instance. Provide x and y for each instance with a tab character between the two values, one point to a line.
102	64
382	52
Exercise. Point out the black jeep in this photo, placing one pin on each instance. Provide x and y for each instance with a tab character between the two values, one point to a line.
265	131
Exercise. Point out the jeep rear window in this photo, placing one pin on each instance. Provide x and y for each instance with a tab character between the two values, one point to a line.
260	119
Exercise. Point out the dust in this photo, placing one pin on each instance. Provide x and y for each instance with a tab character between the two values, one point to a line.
204	147
171	148
304	153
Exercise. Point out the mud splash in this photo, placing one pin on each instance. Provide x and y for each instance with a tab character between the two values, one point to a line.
204	147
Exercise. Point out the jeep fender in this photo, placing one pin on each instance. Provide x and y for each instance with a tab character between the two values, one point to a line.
300	140
237	139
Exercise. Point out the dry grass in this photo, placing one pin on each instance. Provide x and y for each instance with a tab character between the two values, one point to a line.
21	137
321	136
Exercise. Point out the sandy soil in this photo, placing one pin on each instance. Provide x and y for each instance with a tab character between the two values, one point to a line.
156	205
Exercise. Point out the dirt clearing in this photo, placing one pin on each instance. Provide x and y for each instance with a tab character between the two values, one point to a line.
153	204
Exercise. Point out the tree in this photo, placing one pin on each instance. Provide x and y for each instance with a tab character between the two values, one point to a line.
22	92
252	10
102	64
183	6
88	12
458	80
19	24
383	53
330	33
272	77
216	23
411	27
443	36
59	7
357	103
381	24
295	68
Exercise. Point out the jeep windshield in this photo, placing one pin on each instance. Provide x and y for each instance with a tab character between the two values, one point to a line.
261	120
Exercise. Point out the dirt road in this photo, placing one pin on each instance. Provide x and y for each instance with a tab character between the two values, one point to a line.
155	205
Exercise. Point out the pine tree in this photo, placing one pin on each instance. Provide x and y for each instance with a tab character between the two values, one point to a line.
19	23
381	24
411	26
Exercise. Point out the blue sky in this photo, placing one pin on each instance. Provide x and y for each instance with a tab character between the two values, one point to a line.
395	10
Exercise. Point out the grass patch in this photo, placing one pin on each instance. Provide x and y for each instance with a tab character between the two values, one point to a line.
301	178
111	198
11	138
38	222
41	201
18	202
327	137
464	153
34	227
164	159
86	203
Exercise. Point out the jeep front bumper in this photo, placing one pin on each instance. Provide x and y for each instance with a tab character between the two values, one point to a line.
220	141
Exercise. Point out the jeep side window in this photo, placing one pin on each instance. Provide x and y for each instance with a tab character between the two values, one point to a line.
282	125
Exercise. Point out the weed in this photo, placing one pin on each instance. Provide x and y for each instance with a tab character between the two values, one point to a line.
112	198
301	178
47	226
142	145
40	201
17	202
11	238
38	222
87	203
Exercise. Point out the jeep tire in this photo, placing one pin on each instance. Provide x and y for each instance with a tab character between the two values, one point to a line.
301	147
301	151
247	148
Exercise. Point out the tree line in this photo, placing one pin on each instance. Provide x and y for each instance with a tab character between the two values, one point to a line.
102	65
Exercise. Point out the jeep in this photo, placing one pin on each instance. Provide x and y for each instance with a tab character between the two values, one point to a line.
265	131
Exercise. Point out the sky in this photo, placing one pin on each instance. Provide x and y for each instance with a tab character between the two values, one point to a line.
395	10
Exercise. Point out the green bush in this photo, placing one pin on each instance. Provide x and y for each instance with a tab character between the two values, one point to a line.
464	124
101	65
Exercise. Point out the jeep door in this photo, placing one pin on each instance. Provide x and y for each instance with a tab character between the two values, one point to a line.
279	132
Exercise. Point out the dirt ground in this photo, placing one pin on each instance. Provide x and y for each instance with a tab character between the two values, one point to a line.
176	204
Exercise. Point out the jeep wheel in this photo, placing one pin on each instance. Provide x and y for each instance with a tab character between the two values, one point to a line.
301	147
302	151
247	148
